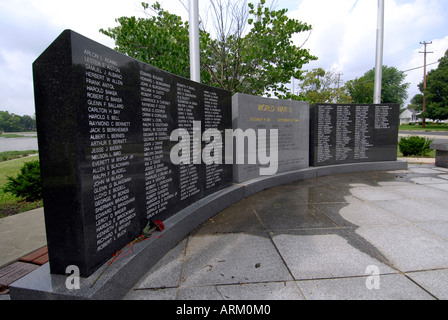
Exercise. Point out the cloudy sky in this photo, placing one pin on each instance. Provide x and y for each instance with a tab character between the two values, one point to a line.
343	36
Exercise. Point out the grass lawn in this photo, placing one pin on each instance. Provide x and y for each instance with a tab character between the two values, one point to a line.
10	155
428	127
9	204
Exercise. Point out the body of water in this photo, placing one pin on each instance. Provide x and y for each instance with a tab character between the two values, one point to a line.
19	144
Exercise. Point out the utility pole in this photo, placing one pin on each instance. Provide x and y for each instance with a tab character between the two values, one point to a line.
379	53
424	80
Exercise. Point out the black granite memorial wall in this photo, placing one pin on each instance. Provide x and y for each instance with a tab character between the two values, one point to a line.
290	151
104	124
353	133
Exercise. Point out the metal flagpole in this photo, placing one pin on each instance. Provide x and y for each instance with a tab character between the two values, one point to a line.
195	74
379	53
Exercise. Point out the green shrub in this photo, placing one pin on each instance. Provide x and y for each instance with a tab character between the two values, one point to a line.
28	183
415	146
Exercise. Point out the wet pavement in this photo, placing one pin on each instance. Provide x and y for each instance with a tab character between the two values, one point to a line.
371	235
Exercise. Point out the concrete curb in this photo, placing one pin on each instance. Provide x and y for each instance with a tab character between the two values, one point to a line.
123	274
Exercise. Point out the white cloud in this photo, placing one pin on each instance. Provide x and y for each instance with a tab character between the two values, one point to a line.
17	86
86	16
344	34
438	49
28	27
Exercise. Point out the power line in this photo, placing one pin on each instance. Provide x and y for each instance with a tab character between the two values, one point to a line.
404	71
429	64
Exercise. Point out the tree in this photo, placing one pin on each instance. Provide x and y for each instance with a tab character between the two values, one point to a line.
160	40
416	102
269	58
320	86
10	122
360	90
393	89
28	123
437	91
259	61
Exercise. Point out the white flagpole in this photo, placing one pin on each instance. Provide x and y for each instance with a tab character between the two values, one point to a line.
195	74
379	53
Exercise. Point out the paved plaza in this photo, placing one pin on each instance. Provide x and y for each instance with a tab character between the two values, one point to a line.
372	235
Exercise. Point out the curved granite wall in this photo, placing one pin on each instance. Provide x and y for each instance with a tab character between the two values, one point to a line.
122	142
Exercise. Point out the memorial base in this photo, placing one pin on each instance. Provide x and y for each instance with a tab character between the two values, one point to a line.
123	274
442	158
441	154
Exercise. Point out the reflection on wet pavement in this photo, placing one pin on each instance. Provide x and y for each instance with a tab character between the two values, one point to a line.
310	232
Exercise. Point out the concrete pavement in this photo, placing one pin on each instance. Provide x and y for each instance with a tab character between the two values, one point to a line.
372	235
21	234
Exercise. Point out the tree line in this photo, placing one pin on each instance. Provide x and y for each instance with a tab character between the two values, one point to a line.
10	122
320	86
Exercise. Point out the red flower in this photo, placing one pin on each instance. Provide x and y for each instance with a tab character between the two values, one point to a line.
159	224
152	226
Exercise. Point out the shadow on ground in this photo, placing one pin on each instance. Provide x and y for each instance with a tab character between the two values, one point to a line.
315	239
308	207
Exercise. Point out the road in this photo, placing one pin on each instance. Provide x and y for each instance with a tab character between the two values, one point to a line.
438	136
